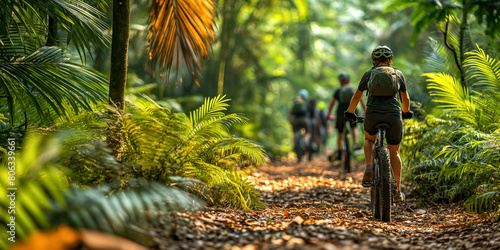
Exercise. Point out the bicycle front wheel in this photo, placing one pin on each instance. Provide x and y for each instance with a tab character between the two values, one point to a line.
375	201
347	152
385	191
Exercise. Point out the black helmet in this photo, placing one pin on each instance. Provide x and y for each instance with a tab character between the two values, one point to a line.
343	76
381	51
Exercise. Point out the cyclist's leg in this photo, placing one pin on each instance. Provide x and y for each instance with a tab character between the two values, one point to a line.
395	163
340	126
355	136
393	137
369	148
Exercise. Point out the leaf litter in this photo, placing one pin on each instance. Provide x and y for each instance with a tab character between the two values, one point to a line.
315	205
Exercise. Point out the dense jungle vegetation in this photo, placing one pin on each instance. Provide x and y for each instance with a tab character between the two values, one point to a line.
108	110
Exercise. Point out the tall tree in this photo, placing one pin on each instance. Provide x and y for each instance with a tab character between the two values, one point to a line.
119	52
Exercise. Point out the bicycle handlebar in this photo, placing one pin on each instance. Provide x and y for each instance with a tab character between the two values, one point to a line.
359	119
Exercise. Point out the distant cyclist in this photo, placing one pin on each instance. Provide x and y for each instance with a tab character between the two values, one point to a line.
299	115
316	125
343	96
383	83
324	123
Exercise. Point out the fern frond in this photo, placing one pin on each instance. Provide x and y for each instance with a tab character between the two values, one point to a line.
483	70
449	93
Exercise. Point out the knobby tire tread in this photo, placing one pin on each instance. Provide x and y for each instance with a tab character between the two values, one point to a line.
385	191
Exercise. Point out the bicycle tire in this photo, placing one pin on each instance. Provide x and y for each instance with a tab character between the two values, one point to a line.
375	202
385	190
374	189
299	146
347	152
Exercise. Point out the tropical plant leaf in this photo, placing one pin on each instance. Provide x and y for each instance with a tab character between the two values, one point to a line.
180	31
83	23
47	82
449	92
483	70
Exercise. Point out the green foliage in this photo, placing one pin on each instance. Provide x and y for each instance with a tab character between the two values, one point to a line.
162	145
44	200
38	81
455	154
80	23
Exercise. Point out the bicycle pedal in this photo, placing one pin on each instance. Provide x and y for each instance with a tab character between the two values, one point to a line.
366	185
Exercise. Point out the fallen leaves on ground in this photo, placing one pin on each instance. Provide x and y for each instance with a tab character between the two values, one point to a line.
315	206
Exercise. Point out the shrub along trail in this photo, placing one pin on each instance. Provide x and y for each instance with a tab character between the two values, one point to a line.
313	206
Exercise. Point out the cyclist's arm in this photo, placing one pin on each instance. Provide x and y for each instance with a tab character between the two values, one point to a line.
363	104
405	101
355	100
330	107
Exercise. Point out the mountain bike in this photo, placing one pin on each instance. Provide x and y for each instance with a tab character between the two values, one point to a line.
383	186
299	145
347	150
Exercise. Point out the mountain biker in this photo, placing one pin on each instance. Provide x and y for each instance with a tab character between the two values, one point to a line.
383	106
299	115
316	125
324	123
343	95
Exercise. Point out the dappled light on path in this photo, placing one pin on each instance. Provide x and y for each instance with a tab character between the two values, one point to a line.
315	205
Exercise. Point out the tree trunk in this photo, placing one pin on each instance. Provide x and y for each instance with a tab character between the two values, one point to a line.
118	74
463	26
52	36
119	52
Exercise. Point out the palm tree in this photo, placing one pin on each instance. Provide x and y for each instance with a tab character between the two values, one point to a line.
37	81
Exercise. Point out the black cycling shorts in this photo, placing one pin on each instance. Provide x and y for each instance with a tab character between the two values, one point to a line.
394	134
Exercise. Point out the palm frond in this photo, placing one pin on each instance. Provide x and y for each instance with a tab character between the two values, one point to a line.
180	31
483	71
438	58
449	93
46	81
83	23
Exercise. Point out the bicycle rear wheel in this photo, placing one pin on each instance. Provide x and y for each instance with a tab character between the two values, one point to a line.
385	190
347	152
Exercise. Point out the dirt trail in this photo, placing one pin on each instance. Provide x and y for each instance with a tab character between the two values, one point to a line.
313	206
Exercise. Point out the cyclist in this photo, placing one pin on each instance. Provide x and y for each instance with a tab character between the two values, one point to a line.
324	123
316	125
343	95
299	117
383	106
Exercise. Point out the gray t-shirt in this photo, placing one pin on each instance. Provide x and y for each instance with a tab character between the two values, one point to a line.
378	104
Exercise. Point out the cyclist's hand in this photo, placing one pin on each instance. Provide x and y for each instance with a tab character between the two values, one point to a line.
328	117
349	115
408	115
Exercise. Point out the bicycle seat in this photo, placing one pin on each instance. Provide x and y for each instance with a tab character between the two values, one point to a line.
383	125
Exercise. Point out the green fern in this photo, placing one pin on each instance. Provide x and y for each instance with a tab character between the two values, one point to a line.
455	153
160	144
43	199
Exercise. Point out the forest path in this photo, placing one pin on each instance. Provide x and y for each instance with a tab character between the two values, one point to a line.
313	206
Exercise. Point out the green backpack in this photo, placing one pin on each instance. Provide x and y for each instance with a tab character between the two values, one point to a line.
383	82
299	108
345	93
